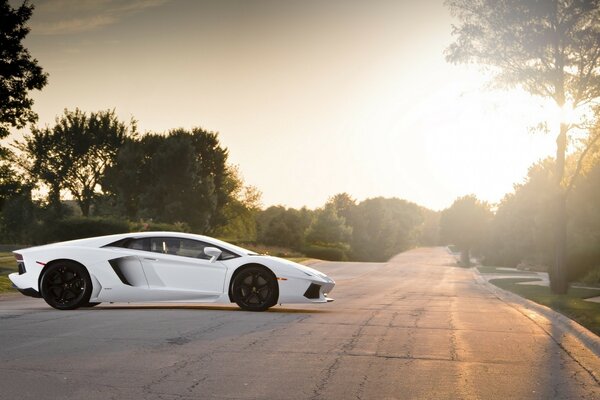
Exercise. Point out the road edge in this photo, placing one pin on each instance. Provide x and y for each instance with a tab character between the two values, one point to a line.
565	326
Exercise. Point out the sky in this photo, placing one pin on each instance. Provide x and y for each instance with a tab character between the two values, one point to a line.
312	98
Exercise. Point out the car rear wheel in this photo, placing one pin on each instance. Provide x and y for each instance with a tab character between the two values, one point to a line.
255	289
66	285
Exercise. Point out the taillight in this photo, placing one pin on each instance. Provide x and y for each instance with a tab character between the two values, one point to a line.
20	263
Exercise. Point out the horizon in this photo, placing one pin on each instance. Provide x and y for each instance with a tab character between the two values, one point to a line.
310	99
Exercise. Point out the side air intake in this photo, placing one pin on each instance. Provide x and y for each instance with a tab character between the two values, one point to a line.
313	291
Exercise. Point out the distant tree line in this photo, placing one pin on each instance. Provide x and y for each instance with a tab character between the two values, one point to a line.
372	230
120	180
519	233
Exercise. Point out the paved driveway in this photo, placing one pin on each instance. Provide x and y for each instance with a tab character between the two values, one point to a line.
415	327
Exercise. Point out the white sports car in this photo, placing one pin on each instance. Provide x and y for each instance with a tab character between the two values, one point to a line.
163	266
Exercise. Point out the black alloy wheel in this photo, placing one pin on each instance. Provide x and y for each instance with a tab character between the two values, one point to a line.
66	285
255	289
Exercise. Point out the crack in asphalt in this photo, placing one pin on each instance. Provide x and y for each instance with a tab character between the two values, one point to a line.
329	372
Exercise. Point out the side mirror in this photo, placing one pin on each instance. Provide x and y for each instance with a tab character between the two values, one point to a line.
213	253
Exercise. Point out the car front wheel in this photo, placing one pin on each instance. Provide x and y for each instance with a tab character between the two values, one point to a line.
66	285
255	289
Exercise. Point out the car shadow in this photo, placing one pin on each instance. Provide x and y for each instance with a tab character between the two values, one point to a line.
281	310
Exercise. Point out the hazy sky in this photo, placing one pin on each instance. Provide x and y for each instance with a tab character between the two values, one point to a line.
312	98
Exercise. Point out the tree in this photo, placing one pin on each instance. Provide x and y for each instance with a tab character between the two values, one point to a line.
178	177
521	230
241	209
344	205
74	154
549	48
328	228
382	228
286	227
464	224
19	73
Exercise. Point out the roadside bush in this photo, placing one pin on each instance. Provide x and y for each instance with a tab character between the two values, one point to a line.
326	253
79	228
592	277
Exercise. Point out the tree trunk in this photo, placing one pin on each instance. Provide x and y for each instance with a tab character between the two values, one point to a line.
84	205
465	257
558	273
54	201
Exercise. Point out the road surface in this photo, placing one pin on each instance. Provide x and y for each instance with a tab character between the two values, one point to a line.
414	328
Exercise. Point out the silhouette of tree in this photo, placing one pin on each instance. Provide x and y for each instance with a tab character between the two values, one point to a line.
549	48
74	154
19	73
178	177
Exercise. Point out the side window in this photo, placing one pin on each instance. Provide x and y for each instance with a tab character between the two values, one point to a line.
184	248
174	246
139	244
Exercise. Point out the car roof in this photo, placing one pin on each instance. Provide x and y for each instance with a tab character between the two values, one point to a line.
101	241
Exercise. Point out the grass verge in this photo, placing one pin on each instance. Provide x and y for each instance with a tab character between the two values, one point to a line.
571	304
7	265
494	270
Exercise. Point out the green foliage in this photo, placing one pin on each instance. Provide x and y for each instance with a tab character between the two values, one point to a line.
326	252
19	73
285	227
522	227
5	285
240	211
181	176
465	224
584	227
328	228
382	227
548	48
18	217
80	227
75	153
592	277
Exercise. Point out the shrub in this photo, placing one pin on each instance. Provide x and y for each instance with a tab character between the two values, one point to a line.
592	277
79	228
326	253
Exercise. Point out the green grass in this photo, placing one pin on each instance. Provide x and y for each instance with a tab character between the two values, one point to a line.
7	266
5	284
571	304
494	270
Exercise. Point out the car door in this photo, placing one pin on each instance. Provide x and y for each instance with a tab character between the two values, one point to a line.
181	264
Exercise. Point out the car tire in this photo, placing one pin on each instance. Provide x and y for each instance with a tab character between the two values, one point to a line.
255	289
66	285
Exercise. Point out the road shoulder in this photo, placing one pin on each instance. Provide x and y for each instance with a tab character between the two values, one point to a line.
581	344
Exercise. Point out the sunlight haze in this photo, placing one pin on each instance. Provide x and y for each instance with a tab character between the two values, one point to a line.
311	98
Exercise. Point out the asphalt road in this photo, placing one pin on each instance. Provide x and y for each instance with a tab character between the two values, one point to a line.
415	327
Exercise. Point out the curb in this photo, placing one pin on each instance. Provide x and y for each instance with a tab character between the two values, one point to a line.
562	326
